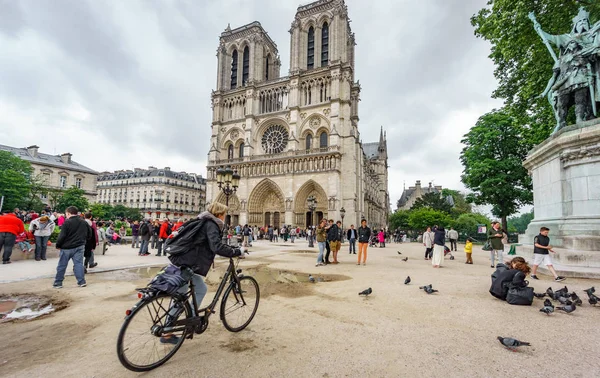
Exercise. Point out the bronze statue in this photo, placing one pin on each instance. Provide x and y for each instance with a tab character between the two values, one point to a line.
576	79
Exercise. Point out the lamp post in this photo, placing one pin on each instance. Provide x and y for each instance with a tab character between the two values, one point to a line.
343	214
228	181
312	205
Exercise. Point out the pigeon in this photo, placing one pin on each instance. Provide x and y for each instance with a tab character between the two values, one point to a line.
590	291
405	259
576	299
311	278
429	290
568	308
512	343
399	252
548	307
366	292
425	287
564	300
564	291
550	292
593	300
407	280
539	295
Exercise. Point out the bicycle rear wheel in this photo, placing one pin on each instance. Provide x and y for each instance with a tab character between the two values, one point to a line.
239	304
141	345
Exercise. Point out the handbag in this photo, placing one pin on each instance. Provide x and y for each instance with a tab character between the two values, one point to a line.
520	296
487	246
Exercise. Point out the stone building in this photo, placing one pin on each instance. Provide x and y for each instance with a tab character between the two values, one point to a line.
295	136
57	171
410	195
158	193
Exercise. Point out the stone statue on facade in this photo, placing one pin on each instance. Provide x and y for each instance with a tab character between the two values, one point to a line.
576	78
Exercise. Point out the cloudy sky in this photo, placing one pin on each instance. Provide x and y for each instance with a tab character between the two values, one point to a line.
123	84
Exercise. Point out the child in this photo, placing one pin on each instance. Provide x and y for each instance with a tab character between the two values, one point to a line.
23	241
469	250
541	247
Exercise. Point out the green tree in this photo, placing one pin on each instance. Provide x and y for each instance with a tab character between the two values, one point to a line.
523	64
461	205
433	201
399	220
72	197
466	224
520	223
420	219
492	160
15	176
101	210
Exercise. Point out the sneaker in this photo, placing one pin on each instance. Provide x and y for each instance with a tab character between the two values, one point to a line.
57	286
559	278
169	340
93	265
534	277
319	264
82	285
491	266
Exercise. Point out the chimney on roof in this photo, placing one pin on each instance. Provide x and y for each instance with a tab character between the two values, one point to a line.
167	168
151	167
137	169
66	158
32	150
418	184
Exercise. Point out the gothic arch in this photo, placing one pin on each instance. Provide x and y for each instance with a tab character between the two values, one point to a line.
309	188
234	203
231	49
325	17
230	137
266	123
308	23
323	123
266	198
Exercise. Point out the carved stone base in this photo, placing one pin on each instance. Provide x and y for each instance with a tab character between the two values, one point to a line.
566	192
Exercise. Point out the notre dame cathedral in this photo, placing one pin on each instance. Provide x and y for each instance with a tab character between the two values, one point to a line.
295	136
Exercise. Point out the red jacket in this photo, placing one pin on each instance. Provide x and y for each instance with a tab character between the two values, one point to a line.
10	223
163	231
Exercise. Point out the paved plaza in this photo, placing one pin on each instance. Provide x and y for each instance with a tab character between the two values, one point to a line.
305	329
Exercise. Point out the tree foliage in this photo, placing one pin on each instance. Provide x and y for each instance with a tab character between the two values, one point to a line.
519	224
461	206
523	63
15	175
399	220
433	201
492	159
108	212
420	219
466	224
72	197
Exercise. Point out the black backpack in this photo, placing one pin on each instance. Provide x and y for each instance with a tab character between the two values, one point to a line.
185	238
169	228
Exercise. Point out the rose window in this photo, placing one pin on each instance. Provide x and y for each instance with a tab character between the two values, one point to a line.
275	139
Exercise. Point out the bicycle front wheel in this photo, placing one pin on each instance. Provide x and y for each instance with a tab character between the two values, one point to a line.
239	304
149	336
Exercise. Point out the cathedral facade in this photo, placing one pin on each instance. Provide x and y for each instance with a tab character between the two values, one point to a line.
296	136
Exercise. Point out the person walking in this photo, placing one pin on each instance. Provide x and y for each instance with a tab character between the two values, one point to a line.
71	243
351	236
381	238
541	247
292	234
428	243
439	242
453	236
364	234
162	236
495	237
10	227
469	250
145	232
135	234
154	236
333	237
321	240
41	228
90	244
102	236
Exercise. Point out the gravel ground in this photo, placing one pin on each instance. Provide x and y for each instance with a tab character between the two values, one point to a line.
323	329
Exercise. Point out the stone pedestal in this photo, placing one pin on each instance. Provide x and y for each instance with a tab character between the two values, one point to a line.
565	170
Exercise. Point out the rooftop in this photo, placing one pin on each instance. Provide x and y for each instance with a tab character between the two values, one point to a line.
150	172
32	155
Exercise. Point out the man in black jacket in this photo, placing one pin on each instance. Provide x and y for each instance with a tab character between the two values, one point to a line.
145	232
71	243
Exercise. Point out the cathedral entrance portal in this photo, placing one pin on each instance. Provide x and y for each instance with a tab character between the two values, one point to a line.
301	212
266	204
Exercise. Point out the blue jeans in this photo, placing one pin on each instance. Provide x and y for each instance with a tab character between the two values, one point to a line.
41	244
76	254
200	290
144	246
321	251
352	245
7	240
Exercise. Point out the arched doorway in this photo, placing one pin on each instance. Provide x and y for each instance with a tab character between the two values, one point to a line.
301	213
266	204
233	215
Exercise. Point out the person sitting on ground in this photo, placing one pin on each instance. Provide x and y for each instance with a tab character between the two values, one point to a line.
200	259
24	241
514	274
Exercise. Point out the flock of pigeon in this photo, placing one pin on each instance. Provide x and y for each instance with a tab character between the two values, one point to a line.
569	301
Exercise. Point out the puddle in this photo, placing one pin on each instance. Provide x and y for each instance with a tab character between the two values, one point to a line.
307	251
27	307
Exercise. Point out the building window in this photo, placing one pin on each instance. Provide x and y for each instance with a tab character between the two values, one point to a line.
78	183
230	152
246	66
267	67
323	140
308	141
44	196
241	152
325	45
310	58
234	69
46	178
63	181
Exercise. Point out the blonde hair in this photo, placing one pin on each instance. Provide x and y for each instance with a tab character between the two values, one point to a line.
217	208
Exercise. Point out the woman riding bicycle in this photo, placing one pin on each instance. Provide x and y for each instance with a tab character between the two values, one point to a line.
201	258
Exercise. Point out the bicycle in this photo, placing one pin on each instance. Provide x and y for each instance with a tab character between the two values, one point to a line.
159	314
